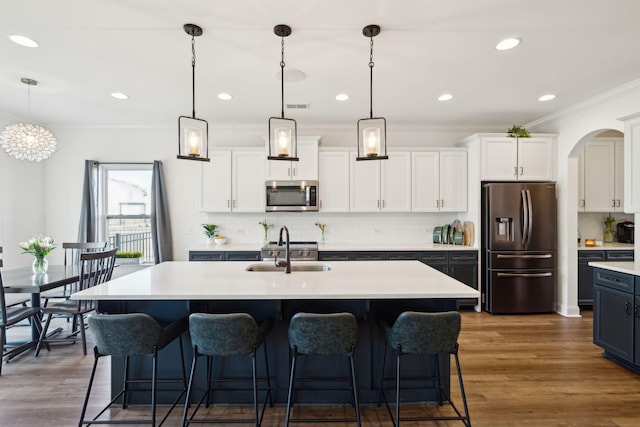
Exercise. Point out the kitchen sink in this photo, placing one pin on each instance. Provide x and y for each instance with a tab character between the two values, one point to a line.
263	267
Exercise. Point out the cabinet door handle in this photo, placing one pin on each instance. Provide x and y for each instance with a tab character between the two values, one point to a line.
442	203
515	171
521	171
627	307
437	203
228	203
294	172
613	203
383	203
288	171
235	203
582	203
378	202
617	203
635	310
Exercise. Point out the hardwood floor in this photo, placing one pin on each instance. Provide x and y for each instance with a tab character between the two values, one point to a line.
536	370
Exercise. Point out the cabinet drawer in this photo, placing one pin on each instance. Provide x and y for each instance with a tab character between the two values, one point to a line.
402	255
429	257
206	256
243	256
619	255
613	279
333	256
588	256
368	256
467	257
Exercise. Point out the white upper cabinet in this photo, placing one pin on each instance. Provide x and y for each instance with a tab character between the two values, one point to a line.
603	175
517	159
305	169
333	185
439	181
631	162
381	185
233	182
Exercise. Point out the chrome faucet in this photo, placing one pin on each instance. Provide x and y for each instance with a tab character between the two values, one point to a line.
287	260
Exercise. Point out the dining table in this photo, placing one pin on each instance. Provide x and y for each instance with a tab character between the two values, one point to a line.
23	280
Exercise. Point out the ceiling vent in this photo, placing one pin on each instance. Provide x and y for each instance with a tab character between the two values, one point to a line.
298	106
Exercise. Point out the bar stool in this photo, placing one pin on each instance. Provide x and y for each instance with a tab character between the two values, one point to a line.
424	334
323	335
133	334
224	335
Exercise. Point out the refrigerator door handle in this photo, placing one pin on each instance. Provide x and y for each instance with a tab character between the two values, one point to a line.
535	275
541	256
525	217
530	208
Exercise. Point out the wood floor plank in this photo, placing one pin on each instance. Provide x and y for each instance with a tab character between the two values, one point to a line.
535	370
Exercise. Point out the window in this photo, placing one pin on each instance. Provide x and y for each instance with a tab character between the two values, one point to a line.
125	207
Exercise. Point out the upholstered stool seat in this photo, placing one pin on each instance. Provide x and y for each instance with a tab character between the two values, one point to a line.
314	334
427	334
133	334
224	335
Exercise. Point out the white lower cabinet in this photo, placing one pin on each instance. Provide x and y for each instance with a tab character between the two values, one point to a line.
381	185
439	181
233	182
333	181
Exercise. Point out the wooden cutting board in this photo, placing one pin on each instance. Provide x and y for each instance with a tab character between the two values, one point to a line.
469	233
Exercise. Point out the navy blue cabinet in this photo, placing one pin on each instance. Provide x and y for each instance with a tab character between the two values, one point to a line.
585	273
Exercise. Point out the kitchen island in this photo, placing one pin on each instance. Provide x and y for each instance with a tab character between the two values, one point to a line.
369	289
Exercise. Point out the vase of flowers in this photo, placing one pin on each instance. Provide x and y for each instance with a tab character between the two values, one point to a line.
608	228
39	247
265	227
322	228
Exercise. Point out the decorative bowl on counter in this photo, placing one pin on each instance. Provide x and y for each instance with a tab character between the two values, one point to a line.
221	240
589	243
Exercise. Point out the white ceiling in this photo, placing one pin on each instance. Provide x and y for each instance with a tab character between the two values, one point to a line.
574	48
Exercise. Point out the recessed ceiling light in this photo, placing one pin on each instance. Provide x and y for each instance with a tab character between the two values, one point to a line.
445	97
119	95
224	96
342	97
547	97
23	41
507	44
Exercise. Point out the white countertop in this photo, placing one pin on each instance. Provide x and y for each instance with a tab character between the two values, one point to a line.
628	267
613	246
181	280
346	247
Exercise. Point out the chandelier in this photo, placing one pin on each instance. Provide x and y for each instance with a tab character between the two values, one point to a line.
26	141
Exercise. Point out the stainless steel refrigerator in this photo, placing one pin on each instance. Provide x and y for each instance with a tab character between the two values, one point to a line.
519	229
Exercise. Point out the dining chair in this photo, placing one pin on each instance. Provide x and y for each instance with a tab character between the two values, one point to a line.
72	251
95	268
10	316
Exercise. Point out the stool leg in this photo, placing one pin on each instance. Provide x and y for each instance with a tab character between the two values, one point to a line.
125	389
439	390
254	366
355	390
209	374
397	422
266	363
189	387
384	361
291	381
462	393
154	386
91	378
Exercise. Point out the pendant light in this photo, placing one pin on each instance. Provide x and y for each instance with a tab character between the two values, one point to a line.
193	133
372	131
28	141
283	132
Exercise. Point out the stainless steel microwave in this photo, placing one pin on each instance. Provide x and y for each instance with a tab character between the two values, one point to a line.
291	196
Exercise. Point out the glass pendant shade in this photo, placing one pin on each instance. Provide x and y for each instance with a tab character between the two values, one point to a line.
193	133
193	139
283	134
372	139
